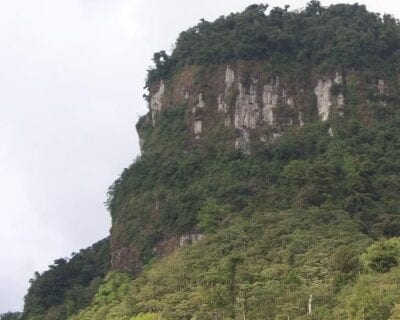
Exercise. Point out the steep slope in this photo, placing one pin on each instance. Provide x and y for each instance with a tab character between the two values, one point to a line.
268	182
201	111
276	228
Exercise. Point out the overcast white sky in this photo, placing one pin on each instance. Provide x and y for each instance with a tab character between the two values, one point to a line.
71	79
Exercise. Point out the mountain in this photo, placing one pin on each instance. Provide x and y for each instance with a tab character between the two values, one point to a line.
10	316
267	187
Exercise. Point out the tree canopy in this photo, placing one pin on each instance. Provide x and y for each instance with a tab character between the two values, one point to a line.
341	35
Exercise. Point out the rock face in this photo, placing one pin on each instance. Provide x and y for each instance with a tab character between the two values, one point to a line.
126	259
197	128
198	123
270	100
189	238
129	259
324	96
323	93
247	109
253	106
156	101
247	114
381	86
256	105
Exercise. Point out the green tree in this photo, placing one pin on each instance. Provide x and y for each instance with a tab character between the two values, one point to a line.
11	316
211	214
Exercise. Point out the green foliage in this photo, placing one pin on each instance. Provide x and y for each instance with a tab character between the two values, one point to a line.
242	270
291	220
298	217
108	303
270	240
383	255
210	215
176	186
338	35
68	285
372	297
295	218
146	316
11	316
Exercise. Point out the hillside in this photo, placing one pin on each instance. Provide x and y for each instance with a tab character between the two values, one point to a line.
268	182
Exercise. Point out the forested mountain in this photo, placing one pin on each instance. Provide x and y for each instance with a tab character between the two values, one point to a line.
267	187
69	284
10	316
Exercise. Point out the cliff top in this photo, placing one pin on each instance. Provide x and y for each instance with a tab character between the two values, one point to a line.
341	35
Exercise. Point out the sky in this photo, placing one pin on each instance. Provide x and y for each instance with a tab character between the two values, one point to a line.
71	85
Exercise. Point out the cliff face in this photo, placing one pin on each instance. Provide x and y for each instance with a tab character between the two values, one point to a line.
239	84
259	105
254	106
272	145
130	260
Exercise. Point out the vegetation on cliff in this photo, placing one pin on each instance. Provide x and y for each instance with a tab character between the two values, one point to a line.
69	285
354	171
298	218
11	316
306	227
340	35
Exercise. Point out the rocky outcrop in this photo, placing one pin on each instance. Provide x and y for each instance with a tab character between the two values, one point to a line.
242	142
189	238
247	115
247	109
256	105
198	122
222	97
270	100
126	259
197	128
251	106
381	86
156	101
340	97
229	79
323	93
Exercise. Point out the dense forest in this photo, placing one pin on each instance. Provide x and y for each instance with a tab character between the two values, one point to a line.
69	284
11	316
341	35
305	227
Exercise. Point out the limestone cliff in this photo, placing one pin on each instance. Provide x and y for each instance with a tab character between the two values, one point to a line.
255	106
239	84
272	145
259	105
